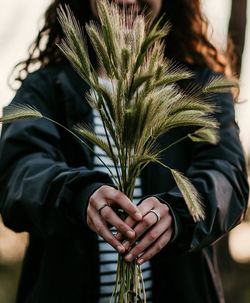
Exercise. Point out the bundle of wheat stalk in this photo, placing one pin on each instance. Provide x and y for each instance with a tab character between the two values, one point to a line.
143	104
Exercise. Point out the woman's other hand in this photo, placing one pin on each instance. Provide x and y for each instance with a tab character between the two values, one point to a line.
153	232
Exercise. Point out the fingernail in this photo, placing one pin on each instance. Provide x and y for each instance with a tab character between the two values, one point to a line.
130	234
140	261
126	244
120	249
129	257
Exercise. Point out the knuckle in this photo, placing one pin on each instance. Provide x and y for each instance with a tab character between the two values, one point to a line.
152	235
159	247
168	237
110	239
104	190
117	196
98	228
131	209
165	210
146	221
134	253
92	199
138	249
122	227
105	215
154	200
129	222
168	221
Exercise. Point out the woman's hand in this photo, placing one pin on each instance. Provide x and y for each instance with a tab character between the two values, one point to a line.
100	213
154	231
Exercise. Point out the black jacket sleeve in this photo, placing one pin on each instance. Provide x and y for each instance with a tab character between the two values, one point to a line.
219	174
39	192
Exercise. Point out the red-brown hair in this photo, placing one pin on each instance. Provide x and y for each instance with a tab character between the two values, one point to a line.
187	41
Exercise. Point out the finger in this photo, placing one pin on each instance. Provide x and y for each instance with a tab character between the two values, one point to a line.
153	211
117	198
162	241
148	220
109	215
102	230
144	208
130	222
149	238
98	225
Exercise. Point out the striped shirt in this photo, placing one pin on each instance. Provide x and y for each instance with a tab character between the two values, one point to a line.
107	254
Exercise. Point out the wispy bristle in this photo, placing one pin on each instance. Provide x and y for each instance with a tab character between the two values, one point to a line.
73	46
190	194
16	112
220	84
210	135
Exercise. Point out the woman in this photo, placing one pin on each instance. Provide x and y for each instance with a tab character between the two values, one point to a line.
52	188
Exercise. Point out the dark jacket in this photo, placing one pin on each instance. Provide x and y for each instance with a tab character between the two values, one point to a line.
46	178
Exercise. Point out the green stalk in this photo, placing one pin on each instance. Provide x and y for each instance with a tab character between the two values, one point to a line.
112	153
83	142
109	143
175	142
178	141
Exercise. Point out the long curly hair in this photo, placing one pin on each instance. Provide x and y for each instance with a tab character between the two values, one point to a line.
187	41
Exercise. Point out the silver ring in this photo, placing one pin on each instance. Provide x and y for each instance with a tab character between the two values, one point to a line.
157	214
101	208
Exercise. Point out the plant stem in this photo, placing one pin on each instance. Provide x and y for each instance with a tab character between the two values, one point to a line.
176	142
83	142
108	139
112	153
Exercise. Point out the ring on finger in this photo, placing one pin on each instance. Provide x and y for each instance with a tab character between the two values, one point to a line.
157	214
101	208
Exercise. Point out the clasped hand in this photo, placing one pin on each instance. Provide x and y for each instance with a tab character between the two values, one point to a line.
145	232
